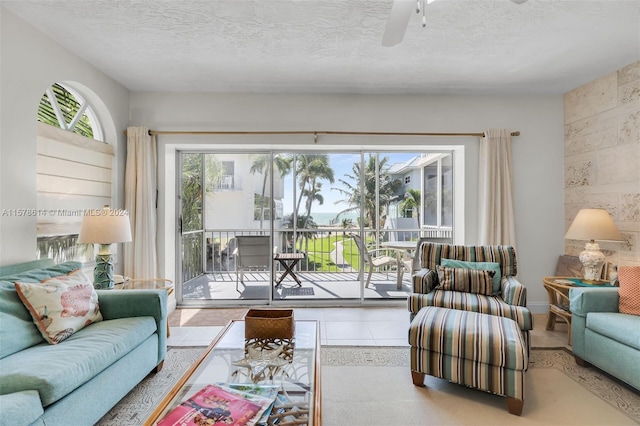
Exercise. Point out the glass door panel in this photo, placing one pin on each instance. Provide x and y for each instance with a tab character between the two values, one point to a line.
240	200
319	214
190	224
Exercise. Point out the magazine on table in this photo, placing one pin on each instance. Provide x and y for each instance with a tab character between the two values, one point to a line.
254	390
215	405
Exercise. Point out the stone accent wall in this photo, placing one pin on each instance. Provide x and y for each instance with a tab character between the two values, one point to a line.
602	158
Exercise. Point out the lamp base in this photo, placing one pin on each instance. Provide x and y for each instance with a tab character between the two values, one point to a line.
592	282
592	259
103	272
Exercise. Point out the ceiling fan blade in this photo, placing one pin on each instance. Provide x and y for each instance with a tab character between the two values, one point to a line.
398	21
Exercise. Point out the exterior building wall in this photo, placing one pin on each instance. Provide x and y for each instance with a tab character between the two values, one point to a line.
602	158
238	198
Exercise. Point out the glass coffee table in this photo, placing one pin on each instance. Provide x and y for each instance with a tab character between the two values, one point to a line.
292	364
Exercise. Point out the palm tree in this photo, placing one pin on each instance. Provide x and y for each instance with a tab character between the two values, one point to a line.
311	168
282	162
313	195
346	223
387	187
411	202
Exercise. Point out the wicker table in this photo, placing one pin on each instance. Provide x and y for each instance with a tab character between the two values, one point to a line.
558	292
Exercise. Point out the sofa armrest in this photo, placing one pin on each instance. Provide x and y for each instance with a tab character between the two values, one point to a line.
20	408
585	300
513	292
424	280
137	303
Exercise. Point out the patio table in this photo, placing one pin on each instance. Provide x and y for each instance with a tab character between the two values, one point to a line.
288	261
401	247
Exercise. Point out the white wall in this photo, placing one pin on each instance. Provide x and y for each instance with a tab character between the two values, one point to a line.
537	153
30	62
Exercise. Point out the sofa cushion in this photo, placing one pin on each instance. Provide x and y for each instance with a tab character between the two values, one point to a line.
492	305
488	266
466	280
626	329
20	408
629	278
61	305
56	370
18	330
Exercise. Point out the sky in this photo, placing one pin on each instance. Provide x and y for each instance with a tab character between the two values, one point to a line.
341	164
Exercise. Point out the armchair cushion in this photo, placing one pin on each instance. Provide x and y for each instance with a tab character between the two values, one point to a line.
466	280
629	293
489	266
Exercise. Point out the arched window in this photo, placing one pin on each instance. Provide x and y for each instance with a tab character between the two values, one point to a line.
62	106
74	171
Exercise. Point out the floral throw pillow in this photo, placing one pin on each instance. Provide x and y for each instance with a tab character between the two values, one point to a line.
478	281
629	291
62	305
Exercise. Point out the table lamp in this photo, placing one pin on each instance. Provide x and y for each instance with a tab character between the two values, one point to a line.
104	227
593	225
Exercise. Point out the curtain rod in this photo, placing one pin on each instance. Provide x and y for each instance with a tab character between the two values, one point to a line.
315	133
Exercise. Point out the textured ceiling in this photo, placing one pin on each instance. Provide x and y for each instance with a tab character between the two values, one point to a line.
307	46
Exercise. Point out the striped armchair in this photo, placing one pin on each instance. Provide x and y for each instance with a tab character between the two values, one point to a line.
509	301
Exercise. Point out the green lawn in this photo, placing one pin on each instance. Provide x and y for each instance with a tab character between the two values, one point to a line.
319	253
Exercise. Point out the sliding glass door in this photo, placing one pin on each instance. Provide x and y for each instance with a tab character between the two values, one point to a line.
315	207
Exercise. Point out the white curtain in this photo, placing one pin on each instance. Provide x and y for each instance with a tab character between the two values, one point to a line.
496	220
140	255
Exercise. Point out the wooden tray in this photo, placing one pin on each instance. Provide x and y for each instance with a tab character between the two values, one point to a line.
269	324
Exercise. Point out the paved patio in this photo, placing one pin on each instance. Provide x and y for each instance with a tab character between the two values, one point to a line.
221	286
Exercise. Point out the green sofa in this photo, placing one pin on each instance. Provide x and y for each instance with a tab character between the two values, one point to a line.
80	379
604	337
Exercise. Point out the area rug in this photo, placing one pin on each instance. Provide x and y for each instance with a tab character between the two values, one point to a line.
138	404
372	386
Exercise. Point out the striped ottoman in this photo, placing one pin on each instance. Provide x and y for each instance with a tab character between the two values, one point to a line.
485	352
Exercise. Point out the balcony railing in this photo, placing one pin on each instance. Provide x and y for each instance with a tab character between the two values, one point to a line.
227	183
327	249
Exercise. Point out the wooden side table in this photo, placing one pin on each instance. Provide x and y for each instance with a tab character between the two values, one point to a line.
558	292
288	261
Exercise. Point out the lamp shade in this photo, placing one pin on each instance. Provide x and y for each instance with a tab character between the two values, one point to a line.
105	226
593	224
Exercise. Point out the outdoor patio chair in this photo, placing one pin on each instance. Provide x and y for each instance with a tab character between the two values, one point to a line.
252	251
375	259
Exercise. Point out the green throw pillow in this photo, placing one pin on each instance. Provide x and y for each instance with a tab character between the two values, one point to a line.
487	266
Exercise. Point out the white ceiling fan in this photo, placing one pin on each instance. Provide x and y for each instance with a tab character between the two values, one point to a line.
399	19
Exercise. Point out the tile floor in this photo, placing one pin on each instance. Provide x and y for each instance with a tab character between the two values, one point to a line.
367	326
